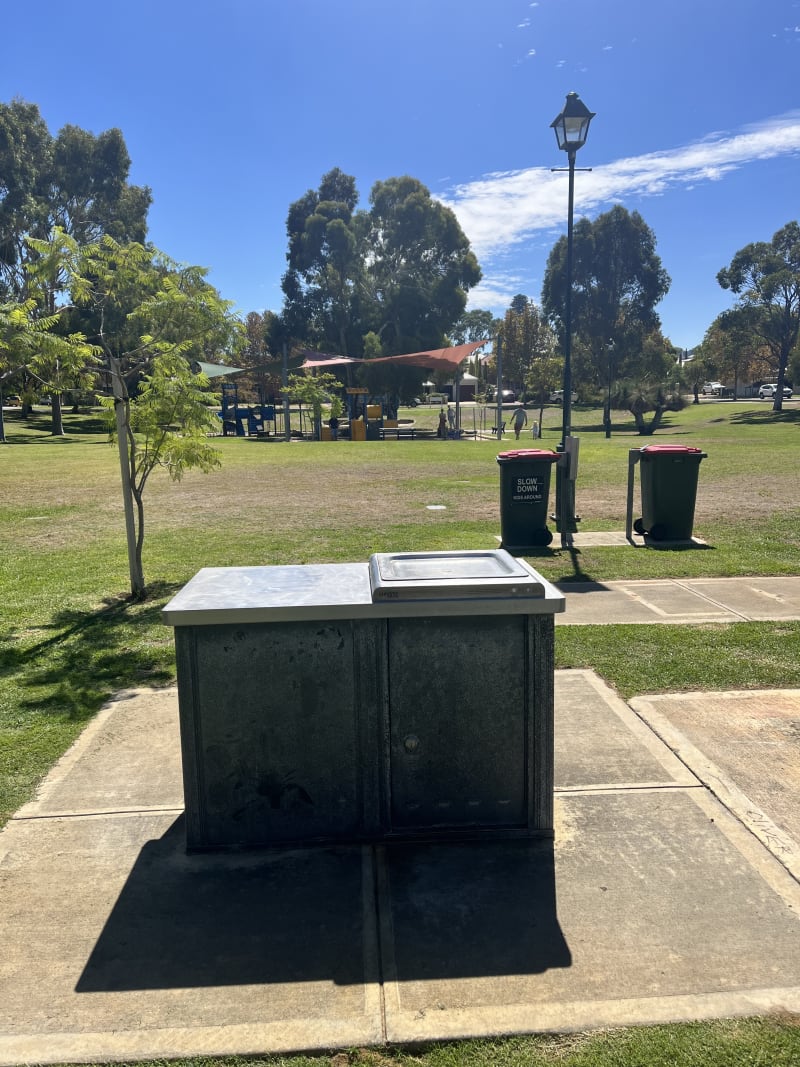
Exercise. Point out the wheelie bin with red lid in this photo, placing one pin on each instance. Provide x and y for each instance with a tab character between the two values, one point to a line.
524	495
669	476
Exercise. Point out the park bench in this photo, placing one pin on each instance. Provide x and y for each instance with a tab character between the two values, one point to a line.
397	432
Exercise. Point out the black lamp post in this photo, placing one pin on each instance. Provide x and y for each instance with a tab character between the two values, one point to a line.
607	413
571	128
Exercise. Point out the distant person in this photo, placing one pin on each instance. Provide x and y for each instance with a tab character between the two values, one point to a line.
333	422
518	420
451	417
442	428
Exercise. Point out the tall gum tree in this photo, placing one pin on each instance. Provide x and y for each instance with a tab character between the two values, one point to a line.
325	264
618	280
420	266
75	182
401	270
527	338
765	276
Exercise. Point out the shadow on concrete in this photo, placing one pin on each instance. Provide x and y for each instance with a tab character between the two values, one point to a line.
473	909
184	921
580	585
308	915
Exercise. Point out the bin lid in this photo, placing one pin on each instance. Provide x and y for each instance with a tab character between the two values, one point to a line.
545	454
673	450
458	575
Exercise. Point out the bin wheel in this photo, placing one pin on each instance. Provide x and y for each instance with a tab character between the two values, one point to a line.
659	532
639	526
542	537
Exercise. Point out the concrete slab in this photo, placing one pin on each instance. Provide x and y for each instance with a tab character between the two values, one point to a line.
654	903
680	600
653	906
757	599
126	759
117	945
599	742
745	747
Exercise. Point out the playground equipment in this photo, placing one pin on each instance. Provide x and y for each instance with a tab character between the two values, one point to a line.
251	421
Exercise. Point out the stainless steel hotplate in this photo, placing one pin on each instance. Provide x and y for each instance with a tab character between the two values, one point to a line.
466	575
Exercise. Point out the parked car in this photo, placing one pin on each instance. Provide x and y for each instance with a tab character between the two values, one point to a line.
13	401
508	396
557	396
713	388
768	390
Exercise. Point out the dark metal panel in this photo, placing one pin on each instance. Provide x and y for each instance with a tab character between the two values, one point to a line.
276	734
457	701
541	631
191	732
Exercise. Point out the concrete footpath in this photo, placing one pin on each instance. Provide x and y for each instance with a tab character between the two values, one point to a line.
670	892
681	600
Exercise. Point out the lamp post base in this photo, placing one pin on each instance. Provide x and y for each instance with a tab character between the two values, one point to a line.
565	518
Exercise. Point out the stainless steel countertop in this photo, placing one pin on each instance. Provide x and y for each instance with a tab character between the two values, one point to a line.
231	595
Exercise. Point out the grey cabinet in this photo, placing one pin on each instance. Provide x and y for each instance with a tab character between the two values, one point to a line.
395	721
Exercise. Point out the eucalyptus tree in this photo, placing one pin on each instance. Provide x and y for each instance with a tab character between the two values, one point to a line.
325	256
419	266
731	349
617	280
26	149
401	269
75	181
477	324
527	339
765	276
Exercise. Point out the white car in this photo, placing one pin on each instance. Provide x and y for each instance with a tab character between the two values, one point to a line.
557	396
768	389
713	389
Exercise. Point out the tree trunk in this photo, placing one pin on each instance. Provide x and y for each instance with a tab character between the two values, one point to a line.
58	421
645	429
138	588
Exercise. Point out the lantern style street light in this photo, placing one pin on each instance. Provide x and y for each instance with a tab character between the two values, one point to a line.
571	129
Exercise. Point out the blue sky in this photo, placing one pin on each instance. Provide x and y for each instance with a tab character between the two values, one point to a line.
232	110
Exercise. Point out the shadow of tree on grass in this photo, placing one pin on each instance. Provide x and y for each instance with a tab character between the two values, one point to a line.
88	655
761	418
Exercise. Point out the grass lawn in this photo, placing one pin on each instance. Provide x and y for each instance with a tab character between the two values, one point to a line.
69	637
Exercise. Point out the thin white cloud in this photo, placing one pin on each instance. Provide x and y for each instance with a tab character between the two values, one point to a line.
501	210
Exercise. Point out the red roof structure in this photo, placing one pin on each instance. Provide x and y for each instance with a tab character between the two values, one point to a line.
435	359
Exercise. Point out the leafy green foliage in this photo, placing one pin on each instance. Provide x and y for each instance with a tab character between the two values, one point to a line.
152	317
766	278
401	269
474	325
77	182
170	421
28	341
618	280
528	343
313	390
